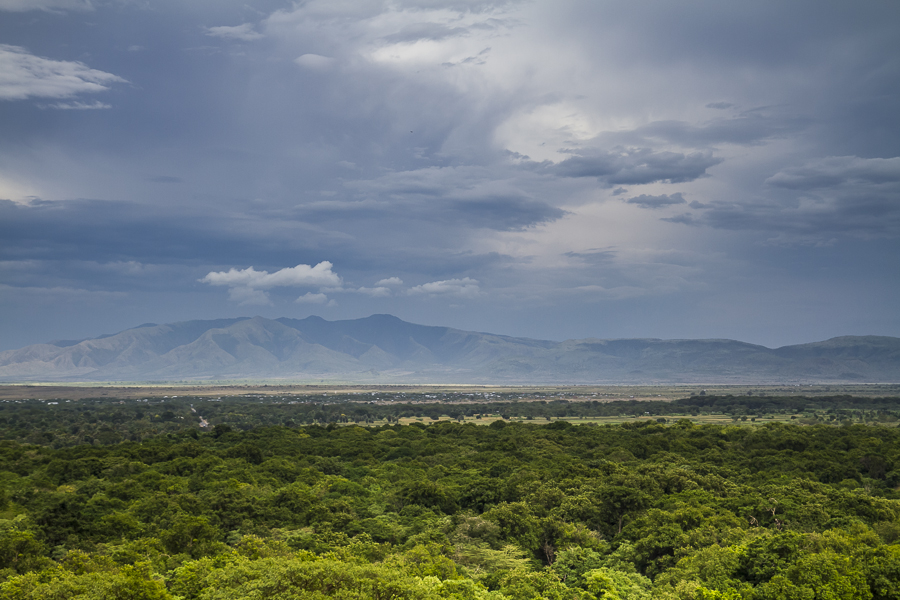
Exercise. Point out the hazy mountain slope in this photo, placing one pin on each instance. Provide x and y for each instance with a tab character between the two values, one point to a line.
256	346
110	353
383	348
858	358
648	360
413	345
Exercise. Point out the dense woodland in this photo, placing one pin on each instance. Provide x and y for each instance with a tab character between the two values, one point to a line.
274	500
59	423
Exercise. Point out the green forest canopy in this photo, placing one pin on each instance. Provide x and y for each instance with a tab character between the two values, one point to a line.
146	505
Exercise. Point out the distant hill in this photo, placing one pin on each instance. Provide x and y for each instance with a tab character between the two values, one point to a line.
385	349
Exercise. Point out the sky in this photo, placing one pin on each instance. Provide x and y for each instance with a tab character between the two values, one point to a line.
554	170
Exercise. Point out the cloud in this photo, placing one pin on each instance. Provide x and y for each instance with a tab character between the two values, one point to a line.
841	172
596	256
247	286
645	201
315	62
463	288
635	166
15	192
749	129
426	167
299	276
672	150
246	296
95	105
478	59
684	219
375	292
117	230
388	282
131	276
43	294
244	32
311	298
471	196
816	202
45	5
505	213
24	75
424	31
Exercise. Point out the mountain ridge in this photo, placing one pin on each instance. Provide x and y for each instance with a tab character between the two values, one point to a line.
385	349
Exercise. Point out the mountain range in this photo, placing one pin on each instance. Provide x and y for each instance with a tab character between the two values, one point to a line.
385	349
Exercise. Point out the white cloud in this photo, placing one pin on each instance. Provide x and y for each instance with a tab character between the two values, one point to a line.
375	292
463	288
244	32
311	298
48	5
399	37
389	281
248	296
96	105
24	75
301	275
247	286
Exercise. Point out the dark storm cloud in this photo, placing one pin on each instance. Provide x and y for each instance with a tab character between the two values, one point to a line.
392	139
751	127
637	166
683	219
94	276
104	240
97	230
504	213
822	199
864	217
500	213
457	198
743	130
842	173
646	201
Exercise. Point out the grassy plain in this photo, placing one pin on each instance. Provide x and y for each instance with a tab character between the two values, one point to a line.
125	391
